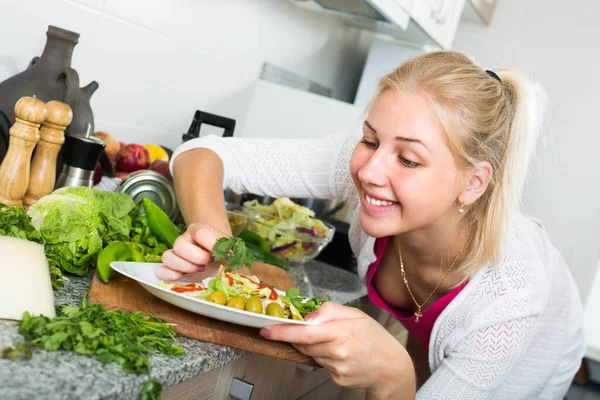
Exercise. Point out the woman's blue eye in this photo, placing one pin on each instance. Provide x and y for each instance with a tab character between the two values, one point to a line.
408	163
370	145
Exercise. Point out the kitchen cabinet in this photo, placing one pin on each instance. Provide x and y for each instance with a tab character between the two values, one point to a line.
479	11
421	23
272	378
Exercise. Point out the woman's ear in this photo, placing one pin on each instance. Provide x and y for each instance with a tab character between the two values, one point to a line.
477	181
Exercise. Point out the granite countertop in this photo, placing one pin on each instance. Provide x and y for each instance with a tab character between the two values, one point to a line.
66	375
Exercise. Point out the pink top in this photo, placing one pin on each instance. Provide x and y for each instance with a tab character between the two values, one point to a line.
420	331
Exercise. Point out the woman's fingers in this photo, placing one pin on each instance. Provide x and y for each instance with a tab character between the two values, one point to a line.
187	249
204	235
331	311
173	261
302	334
167	274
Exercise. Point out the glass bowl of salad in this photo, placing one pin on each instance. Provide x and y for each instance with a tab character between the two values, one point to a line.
238	219
291	231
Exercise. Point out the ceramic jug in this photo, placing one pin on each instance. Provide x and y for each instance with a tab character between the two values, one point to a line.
50	77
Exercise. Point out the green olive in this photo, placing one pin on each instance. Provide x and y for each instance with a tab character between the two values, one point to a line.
275	310
217	297
254	305
236	302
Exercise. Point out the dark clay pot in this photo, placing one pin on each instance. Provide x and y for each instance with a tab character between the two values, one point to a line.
50	77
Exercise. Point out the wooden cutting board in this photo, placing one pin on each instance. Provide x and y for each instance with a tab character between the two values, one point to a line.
126	294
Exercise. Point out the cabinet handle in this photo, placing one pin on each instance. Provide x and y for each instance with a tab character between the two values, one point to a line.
305	368
439	15
241	390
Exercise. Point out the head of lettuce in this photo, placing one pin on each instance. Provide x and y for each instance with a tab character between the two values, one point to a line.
75	222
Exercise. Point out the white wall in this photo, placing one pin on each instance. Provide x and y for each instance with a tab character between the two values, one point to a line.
556	42
158	61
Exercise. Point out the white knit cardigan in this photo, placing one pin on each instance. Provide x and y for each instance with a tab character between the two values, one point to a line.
514	332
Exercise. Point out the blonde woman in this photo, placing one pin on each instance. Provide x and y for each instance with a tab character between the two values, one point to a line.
435	181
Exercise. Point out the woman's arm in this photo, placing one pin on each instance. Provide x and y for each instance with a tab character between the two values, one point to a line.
479	364
199	186
304	168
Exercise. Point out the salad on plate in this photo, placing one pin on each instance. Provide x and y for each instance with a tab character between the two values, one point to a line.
248	293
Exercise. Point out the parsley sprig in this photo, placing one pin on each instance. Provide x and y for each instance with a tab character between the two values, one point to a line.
233	250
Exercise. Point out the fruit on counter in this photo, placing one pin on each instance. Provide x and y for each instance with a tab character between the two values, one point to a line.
168	151
162	167
121	175
115	251
97	174
156	153
159	223
112	144
132	157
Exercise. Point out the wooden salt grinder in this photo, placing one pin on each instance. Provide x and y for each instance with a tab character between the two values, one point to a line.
24	134
52	137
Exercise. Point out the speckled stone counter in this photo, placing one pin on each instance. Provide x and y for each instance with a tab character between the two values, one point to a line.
66	375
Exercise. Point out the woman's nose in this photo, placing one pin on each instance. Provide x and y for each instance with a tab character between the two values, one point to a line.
373	172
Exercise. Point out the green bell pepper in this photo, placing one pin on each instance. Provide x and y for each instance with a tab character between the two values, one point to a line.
159	223
116	251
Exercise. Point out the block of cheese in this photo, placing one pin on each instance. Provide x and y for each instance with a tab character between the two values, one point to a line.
24	279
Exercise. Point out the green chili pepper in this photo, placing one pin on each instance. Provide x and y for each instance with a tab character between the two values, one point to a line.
116	251
252	237
266	256
159	223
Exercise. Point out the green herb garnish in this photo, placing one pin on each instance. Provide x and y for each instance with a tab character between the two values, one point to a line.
233	250
125	338
304	307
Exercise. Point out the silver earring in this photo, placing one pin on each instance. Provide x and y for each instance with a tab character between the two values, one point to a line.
461	209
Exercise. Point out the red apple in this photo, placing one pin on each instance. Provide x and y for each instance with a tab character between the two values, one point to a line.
121	145
97	174
112	144
121	175
162	167
132	157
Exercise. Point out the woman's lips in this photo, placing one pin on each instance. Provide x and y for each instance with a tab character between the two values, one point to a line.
374	204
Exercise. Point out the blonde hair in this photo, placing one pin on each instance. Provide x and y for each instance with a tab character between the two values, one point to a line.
485	119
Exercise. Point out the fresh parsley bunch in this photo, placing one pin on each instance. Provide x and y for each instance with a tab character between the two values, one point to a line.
125	338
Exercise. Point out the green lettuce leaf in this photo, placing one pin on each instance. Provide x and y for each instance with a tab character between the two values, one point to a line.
75	222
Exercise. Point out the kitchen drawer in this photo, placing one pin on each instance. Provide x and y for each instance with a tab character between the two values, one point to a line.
270	377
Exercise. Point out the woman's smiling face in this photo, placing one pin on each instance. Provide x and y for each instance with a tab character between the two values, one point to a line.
403	168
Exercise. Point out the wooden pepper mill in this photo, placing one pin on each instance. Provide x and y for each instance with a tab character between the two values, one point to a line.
52	137
24	134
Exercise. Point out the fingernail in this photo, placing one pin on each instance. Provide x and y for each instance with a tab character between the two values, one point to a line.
201	268
266	333
312	316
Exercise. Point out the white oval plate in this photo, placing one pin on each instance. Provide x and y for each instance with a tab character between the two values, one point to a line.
145	275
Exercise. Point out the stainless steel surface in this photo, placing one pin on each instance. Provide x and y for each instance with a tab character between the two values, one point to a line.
72	176
154	186
241	390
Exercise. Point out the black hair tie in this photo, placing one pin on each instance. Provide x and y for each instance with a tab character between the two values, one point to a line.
493	75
